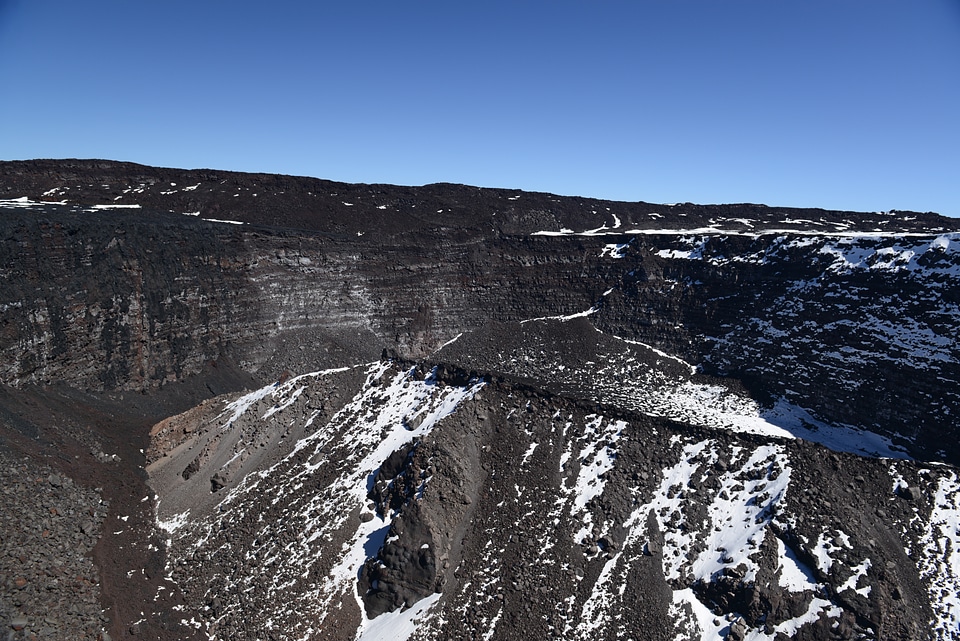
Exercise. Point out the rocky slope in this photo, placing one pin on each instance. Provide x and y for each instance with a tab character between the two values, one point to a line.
498	413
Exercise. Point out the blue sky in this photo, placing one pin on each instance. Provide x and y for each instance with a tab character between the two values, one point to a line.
839	104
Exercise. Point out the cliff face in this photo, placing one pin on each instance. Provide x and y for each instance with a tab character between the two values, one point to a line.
849	315
110	302
689	345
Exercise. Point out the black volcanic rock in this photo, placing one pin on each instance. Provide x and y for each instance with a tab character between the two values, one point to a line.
491	411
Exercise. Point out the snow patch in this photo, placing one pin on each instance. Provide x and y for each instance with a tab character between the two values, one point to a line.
939	562
795	576
563	319
614	250
229	222
398	625
174	523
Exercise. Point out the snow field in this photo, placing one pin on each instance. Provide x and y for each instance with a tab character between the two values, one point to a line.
939	561
614	250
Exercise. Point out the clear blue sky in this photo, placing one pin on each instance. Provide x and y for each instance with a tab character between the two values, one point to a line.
838	104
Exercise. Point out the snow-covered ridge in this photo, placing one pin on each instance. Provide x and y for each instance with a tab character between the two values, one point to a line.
392	409
715	517
638	377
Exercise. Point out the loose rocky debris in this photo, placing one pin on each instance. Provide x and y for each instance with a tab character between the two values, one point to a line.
50	588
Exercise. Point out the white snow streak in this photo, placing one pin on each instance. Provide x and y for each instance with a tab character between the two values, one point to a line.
397	625
939	562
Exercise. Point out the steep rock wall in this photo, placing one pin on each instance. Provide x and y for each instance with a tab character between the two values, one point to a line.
111	300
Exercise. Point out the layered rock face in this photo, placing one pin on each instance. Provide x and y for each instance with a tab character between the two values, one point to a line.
498	413
850	315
